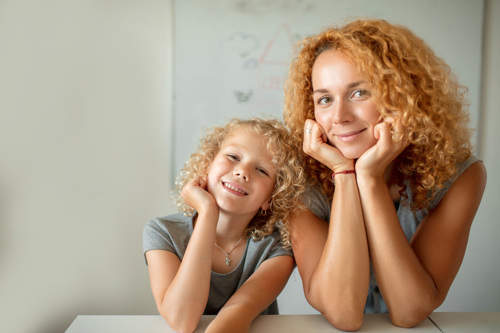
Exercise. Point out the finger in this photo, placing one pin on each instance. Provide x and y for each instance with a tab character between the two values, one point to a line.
382	133
318	136
398	130
308	126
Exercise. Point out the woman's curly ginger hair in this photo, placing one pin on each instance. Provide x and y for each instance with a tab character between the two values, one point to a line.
288	163
408	82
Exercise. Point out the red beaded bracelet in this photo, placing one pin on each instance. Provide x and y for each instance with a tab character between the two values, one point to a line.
341	172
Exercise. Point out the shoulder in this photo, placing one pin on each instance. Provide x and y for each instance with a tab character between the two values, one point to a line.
270	246
166	232
317	202
170	223
471	169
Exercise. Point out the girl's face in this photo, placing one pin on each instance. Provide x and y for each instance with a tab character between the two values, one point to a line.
242	176
343	104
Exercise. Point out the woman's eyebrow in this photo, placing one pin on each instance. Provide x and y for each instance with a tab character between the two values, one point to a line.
349	86
321	91
354	84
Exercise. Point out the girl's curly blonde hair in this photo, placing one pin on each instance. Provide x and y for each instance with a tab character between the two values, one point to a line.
287	160
408	82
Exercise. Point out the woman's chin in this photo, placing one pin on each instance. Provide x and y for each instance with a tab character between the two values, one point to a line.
351	154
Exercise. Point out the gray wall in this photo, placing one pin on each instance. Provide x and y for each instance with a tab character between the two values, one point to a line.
85	146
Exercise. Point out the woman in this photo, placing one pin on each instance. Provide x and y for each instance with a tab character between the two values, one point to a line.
381	115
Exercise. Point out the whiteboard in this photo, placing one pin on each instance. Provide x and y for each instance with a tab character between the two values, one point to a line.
231	56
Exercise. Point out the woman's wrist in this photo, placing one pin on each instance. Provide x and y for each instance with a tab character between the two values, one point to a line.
341	168
369	180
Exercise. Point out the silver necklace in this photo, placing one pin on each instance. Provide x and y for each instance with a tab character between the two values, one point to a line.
228	260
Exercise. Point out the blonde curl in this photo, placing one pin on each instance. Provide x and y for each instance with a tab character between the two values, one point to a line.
288	163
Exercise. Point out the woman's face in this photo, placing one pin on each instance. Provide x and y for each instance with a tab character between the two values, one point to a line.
343	104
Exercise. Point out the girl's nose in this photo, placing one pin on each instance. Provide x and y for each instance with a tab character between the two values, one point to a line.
241	172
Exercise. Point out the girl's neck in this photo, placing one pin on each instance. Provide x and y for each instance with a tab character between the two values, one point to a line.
230	228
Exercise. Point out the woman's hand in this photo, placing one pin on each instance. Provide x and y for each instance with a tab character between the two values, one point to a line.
316	145
375	160
195	195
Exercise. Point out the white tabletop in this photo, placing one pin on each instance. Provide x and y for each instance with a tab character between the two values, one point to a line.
467	322
262	324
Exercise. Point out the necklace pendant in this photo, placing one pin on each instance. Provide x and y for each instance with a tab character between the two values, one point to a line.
228	261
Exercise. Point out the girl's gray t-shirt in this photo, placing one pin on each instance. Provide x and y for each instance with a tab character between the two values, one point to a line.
172	233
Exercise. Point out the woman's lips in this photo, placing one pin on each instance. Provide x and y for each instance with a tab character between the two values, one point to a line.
350	136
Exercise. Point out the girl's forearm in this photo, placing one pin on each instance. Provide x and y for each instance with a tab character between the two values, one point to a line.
187	296
232	319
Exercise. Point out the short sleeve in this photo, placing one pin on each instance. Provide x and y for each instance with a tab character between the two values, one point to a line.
155	236
277	249
317	203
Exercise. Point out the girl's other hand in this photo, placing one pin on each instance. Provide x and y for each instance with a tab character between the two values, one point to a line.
195	195
316	145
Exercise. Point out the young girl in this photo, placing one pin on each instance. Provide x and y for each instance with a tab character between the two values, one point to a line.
224	255
376	110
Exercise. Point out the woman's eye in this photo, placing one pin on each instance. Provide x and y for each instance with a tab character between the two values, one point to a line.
361	93
324	100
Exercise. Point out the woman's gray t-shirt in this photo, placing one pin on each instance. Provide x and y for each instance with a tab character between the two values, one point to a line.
172	233
408	219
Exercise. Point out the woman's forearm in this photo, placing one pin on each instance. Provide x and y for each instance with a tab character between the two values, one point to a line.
339	285
408	289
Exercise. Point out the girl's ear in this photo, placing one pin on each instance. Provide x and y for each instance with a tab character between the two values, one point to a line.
266	205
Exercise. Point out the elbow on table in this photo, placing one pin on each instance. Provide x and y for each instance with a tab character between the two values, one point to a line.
345	321
409	319
344	315
407	322
180	323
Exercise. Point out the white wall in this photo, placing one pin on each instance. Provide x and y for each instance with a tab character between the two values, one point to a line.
476	285
85	155
84	148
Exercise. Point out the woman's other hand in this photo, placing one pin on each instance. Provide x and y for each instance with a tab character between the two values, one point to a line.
390	144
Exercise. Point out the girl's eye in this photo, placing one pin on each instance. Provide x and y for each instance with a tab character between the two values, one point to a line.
262	171
233	157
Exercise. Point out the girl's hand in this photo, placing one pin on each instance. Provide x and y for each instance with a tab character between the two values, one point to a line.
195	195
375	160
316	145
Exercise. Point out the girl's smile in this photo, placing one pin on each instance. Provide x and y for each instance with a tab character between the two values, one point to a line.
234	188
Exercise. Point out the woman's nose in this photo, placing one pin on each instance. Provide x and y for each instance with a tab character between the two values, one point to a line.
341	112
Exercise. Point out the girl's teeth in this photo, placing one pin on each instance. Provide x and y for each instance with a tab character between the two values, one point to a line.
234	188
